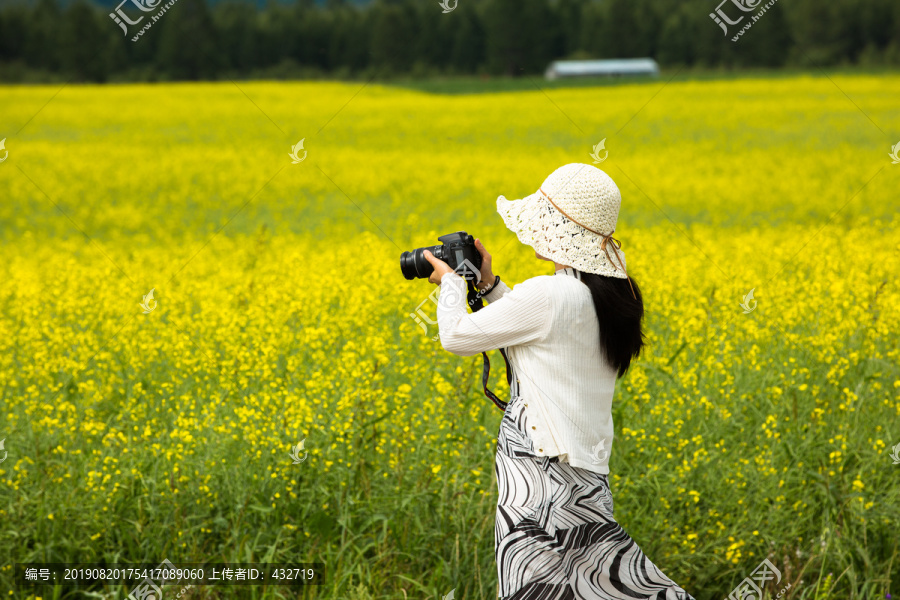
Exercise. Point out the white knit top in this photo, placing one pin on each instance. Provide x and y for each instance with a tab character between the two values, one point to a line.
549	327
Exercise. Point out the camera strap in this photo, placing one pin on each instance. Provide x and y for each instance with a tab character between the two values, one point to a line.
476	302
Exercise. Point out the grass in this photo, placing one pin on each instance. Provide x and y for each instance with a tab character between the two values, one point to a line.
282	316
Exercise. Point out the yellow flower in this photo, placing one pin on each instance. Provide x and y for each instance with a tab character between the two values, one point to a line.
243	355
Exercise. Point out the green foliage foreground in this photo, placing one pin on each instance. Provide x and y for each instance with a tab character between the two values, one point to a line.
279	315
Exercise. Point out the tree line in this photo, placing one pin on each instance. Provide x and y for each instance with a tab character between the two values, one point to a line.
192	40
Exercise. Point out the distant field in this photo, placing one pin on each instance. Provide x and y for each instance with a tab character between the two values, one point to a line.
281	315
482	84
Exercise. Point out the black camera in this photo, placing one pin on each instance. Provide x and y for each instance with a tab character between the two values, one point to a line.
457	250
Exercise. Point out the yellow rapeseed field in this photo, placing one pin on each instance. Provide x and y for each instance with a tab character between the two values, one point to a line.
279	314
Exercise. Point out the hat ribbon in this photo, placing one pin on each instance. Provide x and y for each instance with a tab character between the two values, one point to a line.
606	237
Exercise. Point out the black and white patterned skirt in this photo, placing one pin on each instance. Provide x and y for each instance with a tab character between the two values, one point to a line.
555	537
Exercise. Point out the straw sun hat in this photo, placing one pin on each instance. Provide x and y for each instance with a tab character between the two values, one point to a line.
571	219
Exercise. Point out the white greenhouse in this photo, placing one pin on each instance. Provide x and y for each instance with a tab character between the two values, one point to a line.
619	67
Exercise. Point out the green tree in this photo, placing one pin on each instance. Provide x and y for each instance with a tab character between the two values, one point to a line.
403	36
313	27
570	15
767	43
348	47
15	22
42	48
431	45
275	34
675	41
517	35
187	47
236	27
820	31
592	23
393	28
877	25
467	39
87	42
630	29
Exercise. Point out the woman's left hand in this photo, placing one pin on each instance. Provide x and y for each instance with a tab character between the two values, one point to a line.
440	268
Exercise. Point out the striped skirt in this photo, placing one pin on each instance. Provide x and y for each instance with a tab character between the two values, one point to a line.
555	537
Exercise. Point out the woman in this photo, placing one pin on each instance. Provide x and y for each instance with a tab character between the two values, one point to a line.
568	336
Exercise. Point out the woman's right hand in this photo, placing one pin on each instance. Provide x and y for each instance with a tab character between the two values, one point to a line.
487	274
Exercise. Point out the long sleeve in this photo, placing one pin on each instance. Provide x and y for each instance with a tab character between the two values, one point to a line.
498	292
519	317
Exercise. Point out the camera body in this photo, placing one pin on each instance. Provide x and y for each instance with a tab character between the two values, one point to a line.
457	250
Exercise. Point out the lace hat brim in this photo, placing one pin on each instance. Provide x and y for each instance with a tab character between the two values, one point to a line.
537	223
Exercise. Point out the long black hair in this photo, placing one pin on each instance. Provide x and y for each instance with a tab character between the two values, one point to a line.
620	317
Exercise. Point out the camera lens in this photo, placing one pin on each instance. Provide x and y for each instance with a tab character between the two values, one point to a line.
407	265
413	264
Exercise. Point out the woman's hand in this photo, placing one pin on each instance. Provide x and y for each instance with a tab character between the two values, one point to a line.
487	275
440	267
